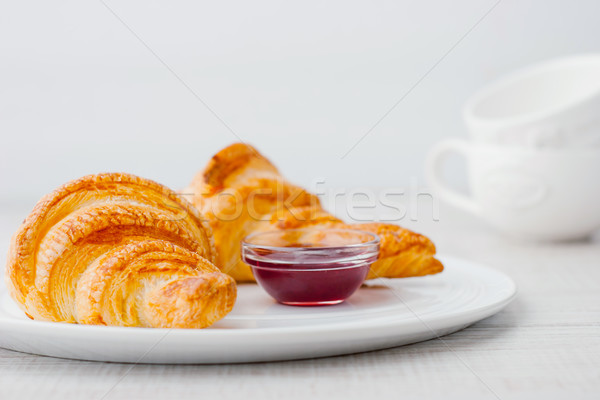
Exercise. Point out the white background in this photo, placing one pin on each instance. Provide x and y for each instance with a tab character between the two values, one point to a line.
302	81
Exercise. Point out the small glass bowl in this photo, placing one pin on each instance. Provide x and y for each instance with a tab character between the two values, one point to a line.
310	267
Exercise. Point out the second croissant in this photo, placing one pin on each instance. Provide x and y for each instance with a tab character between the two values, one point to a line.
241	192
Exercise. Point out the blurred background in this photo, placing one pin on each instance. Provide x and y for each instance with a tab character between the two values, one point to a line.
353	93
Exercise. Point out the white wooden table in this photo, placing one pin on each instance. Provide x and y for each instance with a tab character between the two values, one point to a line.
545	345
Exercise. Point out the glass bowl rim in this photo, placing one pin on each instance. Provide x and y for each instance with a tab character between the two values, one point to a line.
374	241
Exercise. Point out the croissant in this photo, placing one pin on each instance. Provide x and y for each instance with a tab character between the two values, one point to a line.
241	192
116	249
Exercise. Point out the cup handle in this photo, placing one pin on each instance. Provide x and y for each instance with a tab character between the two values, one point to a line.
435	161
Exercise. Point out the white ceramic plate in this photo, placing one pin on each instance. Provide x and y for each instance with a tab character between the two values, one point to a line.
388	313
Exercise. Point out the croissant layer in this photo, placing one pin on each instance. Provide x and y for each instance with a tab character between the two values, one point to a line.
117	249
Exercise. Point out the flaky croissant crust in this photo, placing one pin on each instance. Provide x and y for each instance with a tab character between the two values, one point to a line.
241	192
117	236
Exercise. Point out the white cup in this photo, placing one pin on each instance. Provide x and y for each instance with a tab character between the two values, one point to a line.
555	104
536	195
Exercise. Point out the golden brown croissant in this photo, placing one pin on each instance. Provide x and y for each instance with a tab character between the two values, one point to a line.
241	192
116	249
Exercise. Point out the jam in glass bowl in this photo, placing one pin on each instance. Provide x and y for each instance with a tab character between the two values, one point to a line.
310	267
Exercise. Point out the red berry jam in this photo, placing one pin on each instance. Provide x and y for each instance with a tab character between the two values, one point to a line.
310	267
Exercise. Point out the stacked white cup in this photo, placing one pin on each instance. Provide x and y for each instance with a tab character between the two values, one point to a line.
533	161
